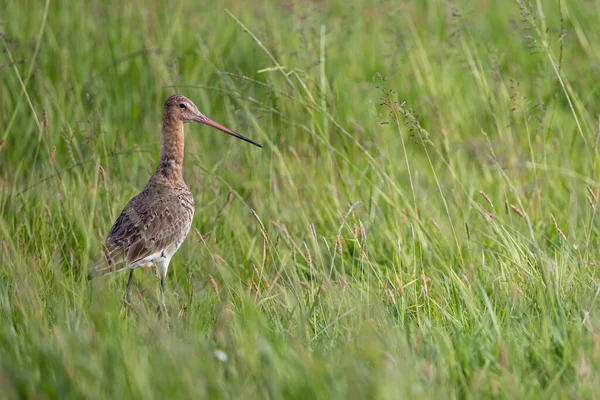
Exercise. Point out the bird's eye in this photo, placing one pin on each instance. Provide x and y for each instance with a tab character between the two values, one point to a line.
182	105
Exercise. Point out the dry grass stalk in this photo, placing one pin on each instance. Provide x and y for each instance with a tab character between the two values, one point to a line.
275	224
486	213
257	219
221	323
593	195
260	278
285	231
495	388
338	244
156	271
305	285
435	224
5	249
313	232
560	232
502	355
202	237
264	235
514	292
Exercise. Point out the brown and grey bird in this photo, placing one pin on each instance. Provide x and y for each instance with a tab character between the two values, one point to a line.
155	222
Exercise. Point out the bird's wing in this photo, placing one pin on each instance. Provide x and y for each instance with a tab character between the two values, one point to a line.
146	226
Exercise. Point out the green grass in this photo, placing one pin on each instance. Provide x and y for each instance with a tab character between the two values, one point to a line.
420	224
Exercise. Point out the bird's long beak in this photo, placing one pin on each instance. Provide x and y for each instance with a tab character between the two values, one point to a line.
207	121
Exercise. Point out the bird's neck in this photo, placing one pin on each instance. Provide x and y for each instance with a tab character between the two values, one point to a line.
171	151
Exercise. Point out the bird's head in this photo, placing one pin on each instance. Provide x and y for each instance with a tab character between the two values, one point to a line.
183	109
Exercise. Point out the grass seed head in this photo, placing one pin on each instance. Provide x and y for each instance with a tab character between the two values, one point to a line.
517	211
363	234
308	257
425	281
399	286
338	244
213	284
391	296
44	124
51	156
466	280
294	153
486	197
591	202
344	283
219	260
491	217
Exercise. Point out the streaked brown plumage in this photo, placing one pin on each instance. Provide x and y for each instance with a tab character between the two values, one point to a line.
154	223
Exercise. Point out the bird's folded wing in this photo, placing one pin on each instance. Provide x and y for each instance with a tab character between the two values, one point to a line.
142	230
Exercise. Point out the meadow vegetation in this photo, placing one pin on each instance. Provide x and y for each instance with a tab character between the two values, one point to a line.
421	223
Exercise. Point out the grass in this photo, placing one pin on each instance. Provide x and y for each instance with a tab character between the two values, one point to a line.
422	222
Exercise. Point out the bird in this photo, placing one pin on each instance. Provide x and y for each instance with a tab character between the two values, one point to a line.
155	222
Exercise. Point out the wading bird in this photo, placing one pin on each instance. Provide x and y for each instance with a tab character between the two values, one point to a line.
155	222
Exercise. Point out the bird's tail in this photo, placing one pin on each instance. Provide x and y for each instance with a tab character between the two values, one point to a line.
109	263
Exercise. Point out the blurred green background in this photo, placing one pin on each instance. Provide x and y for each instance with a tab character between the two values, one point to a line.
421	222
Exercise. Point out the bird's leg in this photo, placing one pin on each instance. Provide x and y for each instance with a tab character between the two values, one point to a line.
126	297
162	306
162	293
